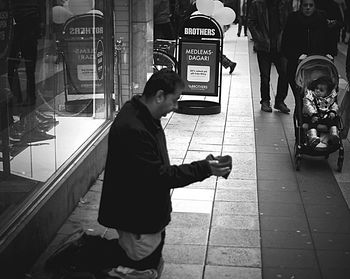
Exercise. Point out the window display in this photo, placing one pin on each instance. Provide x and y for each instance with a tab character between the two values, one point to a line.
52	95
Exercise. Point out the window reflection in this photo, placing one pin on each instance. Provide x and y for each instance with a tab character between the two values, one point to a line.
51	89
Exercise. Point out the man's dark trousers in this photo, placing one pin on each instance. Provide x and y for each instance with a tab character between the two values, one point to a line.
265	60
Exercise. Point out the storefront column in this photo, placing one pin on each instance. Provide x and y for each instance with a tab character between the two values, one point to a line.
142	43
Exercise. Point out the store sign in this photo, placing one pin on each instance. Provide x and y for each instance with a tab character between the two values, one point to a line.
83	52
198	67
199	52
200	27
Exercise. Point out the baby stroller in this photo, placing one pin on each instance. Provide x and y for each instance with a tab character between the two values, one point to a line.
309	69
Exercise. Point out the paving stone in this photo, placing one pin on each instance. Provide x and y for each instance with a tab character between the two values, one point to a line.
187	236
287	239
231	272
238	222
193	194
232	149
335	273
289	258
279	175
234	183
235	208
240	195
209	183
327	210
334	259
278	223
232	256
188	271
235	238
183	219
210	148
331	241
292	273
184	254
278	185
330	225
279	209
192	206
280	196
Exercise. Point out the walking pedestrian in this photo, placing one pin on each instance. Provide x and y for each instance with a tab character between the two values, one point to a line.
266	21
335	21
138	176
242	18
163	28
306	33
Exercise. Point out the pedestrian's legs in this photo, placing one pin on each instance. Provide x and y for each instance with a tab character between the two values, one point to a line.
228	63
240	22
291	69
264	62
245	25
13	63
29	45
282	82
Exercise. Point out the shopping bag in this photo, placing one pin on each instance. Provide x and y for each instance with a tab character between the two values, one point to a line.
344	113
82	254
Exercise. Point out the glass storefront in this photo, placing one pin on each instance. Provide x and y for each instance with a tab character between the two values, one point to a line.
53	95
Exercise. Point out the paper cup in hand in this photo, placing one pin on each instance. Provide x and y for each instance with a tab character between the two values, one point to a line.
225	161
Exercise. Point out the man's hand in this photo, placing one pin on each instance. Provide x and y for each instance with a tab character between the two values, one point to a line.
220	165
218	169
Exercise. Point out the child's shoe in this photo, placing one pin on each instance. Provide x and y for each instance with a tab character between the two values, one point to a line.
333	135
312	137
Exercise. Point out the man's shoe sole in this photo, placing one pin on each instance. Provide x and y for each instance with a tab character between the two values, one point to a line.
282	110
267	110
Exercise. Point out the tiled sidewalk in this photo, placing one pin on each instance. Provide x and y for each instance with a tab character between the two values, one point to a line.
266	220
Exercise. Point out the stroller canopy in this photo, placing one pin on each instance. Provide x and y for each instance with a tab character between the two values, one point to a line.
314	67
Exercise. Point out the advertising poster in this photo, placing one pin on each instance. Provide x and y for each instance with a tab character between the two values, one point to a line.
199	67
83	51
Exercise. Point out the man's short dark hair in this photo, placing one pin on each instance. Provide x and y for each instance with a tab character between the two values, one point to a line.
166	80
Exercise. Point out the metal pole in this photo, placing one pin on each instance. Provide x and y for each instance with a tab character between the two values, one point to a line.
118	50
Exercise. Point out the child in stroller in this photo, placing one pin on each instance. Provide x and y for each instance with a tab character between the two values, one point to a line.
316	121
320	109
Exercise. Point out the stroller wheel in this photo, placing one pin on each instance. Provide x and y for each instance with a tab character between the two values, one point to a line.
297	162
297	157
340	164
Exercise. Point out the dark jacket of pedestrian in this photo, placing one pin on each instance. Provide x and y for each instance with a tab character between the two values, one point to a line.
138	176
305	35
260	27
335	21
163	28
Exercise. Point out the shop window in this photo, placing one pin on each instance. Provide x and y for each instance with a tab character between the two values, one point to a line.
52	80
